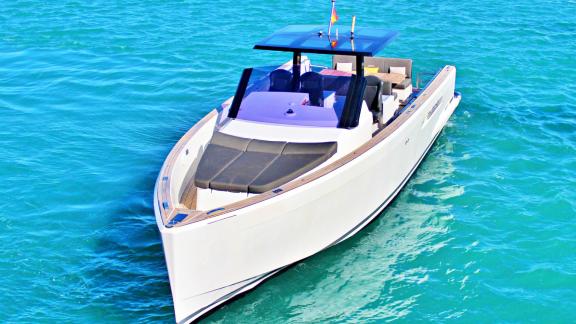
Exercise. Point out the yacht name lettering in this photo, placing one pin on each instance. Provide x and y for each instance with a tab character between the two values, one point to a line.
431	112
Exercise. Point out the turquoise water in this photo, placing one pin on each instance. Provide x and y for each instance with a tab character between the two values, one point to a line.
93	94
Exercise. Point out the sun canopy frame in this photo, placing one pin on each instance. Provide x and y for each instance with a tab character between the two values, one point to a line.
313	39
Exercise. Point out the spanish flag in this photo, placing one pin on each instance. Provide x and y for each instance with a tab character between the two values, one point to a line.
334	16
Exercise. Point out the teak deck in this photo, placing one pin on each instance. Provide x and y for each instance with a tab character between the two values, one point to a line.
189	196
187	216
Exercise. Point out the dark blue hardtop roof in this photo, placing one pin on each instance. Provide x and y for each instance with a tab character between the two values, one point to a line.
315	39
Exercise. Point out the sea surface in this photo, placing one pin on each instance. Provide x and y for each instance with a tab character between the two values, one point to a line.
93	95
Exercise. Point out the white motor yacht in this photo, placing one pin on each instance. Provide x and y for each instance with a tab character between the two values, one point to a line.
300	159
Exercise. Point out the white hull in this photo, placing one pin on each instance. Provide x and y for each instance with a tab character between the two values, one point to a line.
215	259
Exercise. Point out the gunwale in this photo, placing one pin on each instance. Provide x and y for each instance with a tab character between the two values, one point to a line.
169	212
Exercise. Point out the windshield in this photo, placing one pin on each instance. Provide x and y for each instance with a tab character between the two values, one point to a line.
317	97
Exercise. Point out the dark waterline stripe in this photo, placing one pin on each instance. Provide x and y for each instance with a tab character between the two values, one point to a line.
230	295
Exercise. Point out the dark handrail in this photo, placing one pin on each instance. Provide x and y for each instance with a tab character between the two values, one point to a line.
240	92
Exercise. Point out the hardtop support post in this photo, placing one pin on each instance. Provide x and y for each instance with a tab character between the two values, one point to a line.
360	66
355	97
296	64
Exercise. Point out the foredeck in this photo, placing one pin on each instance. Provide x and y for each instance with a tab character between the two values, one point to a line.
179	217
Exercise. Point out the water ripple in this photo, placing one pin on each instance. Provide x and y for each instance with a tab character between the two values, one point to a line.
94	93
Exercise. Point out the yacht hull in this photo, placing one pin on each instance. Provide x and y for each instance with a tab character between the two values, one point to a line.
213	260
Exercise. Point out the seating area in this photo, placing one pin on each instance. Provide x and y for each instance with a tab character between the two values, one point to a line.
277	97
236	164
389	86
387	69
281	81
322	90
389	83
381	99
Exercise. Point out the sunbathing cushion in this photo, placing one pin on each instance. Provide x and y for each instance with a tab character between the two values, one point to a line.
266	146
283	170
240	174
230	141
218	158
369	70
398	69
257	156
222	150
382	63
328	148
404	84
345	67
237	164
295	160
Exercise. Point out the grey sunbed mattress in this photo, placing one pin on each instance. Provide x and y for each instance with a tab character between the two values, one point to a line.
237	164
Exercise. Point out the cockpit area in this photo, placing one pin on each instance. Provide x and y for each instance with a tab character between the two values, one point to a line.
276	96
285	95
320	96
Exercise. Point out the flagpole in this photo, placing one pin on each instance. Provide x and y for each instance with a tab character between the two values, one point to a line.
353	26
331	13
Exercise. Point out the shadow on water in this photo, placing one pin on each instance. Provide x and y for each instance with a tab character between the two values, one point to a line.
128	269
